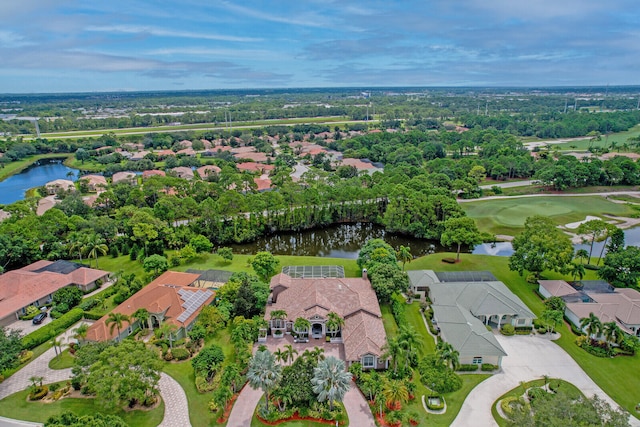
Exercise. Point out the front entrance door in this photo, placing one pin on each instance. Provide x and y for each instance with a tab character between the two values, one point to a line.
316	330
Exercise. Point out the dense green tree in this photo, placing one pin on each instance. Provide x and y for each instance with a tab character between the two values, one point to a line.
460	231
126	374
225	253
156	264
265	265
10	347
69	295
376	251
622	268
541	246
208	361
201	244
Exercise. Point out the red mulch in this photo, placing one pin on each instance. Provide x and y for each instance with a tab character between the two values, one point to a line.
297	417
384	423
227	409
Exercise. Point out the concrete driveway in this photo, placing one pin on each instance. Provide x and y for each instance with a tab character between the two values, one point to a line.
529	357
27	326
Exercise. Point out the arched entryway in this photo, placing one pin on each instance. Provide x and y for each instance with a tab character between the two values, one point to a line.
316	330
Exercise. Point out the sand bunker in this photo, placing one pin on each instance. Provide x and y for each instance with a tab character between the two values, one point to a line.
574	225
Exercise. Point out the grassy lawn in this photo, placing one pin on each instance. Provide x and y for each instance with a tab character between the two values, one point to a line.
62	361
16	167
609	374
619	138
507	216
414	318
17	406
182	372
519	391
390	326
36	353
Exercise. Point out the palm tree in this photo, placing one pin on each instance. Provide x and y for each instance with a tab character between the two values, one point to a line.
94	245
290	352
592	325
57	344
36	381
330	380
301	326
409	340
264	373
280	355
392	350
316	354
612	332
142	315
447	354
81	332
395	393
582	254
167	330
577	270
284	395
116	320
76	242
552	318
334	323
278	315
404	255
231	376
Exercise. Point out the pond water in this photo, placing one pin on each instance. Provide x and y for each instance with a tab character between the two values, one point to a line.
338	241
14	188
346	240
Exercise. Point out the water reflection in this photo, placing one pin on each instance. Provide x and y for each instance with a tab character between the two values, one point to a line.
338	241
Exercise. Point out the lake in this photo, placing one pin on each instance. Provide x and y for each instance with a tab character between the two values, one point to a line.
14	188
346	240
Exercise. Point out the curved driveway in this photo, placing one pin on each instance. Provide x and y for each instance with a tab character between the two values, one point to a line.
529	357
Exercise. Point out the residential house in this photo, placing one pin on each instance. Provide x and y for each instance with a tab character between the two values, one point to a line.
95	183
169	299
36	283
205	171
55	186
464	304
183	172
254	167
124	177
353	299
152	172
609	304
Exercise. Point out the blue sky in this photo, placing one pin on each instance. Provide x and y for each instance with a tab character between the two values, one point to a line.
90	45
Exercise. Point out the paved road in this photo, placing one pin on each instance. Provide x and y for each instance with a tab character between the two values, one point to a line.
529	357
509	184
176	408
243	409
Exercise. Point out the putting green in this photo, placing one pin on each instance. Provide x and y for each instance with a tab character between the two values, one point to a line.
507	216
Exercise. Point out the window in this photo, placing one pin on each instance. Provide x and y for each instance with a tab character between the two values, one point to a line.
368	361
521	322
477	360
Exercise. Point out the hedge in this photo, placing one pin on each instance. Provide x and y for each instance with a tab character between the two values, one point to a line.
92	316
467	368
52	329
488	367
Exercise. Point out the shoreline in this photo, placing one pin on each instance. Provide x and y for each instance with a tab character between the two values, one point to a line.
27	162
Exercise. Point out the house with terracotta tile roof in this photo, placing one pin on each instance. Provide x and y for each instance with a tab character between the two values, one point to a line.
252	156
36	283
95	182
53	187
164	153
152	172
205	171
183	172
353	299
254	167
609	304
125	177
169	299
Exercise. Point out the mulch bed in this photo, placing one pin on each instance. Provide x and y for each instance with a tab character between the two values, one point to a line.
297	417
227	410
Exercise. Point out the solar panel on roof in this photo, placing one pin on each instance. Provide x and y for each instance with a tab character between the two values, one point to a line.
192	301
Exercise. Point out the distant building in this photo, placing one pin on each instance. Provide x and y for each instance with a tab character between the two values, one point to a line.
124	177
95	182
183	172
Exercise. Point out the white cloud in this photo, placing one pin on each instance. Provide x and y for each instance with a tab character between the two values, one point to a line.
11	39
161	32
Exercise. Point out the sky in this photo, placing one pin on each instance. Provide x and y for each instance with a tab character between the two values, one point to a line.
115	45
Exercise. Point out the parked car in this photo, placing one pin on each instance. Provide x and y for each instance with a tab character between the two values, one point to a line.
39	318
